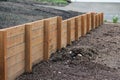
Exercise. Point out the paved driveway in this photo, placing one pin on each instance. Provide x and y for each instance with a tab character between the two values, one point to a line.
95	0
110	9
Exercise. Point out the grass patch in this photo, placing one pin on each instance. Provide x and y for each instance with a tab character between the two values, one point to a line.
54	1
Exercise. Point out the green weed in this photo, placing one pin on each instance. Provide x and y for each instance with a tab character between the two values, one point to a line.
115	19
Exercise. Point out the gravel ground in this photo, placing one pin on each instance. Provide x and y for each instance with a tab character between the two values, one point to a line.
95	56
15	13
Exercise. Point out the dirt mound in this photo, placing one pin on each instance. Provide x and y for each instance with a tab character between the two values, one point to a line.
80	53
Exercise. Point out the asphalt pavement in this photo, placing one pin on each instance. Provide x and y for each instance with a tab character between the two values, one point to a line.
110	9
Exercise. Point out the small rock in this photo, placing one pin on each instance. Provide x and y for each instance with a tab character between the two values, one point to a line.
70	52
79	55
73	57
59	72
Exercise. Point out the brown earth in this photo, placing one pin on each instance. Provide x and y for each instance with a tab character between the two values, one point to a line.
95	56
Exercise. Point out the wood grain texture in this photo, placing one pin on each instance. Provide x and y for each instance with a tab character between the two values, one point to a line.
83	22
3	49
93	20
59	33
46	39
102	18
77	21
96	19
28	48
88	22
64	33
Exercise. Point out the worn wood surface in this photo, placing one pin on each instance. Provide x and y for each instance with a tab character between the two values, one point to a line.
59	33
46	39
3	47
28	59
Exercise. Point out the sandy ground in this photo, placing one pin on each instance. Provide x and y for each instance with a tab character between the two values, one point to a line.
95	56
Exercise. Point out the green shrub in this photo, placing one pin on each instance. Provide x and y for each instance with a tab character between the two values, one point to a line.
115	19
105	20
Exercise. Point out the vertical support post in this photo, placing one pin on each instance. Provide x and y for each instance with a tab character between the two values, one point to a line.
46	39
28	48
88	22
69	32
93	20
102	18
85	25
83	22
82	25
97	20
76	28
3	47
59	33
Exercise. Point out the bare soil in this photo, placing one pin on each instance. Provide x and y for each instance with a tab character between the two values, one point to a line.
95	56
15	13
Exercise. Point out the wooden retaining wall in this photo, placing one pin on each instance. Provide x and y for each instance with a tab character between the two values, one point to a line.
25	45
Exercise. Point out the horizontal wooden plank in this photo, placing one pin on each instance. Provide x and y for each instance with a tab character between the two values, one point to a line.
13	71
37	24
37	57
53	21
37	48
15	50
16	30
36	33
37	41
15	40
53	34
15	59
13	77
37	61
53	27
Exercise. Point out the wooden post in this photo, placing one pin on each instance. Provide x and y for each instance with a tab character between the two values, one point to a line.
80	25
59	34
84	25
102	18
68	32
3	49
97	19
88	22
93	20
77	28
46	39
28	48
